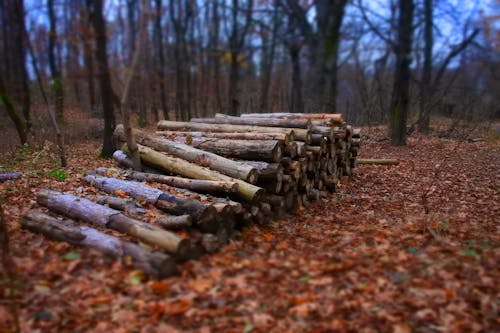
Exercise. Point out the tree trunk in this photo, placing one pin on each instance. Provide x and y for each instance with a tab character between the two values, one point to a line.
297	102
57	86
161	59
16	119
132	146
96	10
425	85
400	100
157	264
88	211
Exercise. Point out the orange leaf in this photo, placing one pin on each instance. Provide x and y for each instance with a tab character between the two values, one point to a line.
268	236
200	285
160	287
178	308
120	193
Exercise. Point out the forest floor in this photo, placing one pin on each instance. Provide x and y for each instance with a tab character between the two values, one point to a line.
407	248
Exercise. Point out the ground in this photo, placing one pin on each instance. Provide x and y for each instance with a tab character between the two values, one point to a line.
406	248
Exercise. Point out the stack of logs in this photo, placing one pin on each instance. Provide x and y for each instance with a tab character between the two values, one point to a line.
201	181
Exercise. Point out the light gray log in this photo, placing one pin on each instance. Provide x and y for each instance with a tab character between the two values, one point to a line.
9	176
88	211
197	185
203	215
157	264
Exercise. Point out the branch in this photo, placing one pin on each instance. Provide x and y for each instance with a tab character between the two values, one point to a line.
373	28
453	53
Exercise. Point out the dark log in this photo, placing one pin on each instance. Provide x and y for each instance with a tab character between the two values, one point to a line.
157	264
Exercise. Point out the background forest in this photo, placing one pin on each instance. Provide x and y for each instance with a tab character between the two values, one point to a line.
373	61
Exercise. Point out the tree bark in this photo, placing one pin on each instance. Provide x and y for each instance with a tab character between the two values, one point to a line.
157	264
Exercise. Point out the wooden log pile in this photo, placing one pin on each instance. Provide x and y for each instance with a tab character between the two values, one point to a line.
201	181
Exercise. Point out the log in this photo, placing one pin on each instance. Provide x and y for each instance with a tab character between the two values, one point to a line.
326	131
334	117
277	201
377	161
291	150
184	168
124	161
9	176
203	215
175	222
254	121
157	264
284	137
299	134
129	206
194	155
269	150
197	185
88	211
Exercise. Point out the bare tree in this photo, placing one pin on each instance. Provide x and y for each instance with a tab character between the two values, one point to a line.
96	11
400	100
57	86
236	43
